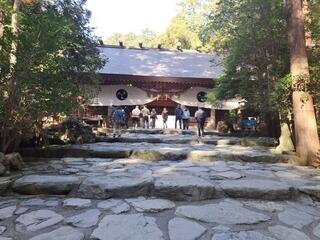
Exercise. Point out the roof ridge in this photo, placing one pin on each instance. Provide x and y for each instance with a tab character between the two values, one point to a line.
153	48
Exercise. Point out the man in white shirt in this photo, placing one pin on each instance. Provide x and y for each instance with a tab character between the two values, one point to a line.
135	116
185	117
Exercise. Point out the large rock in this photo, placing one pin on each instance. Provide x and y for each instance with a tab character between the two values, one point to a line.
151	205
133	227
44	184
226	212
85	220
62	233
122	185
258	189
282	232
14	161
183	187
182	229
242	235
72	130
37	220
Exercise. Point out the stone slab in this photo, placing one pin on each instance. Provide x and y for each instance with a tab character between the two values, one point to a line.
86	219
45	184
7	212
62	233
122	185
242	235
226	212
133	227
182	229
37	220
258	189
151	205
282	232
76	203
183	187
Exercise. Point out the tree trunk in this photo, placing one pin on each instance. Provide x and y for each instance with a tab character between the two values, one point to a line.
308	20
8	134
1	21
306	133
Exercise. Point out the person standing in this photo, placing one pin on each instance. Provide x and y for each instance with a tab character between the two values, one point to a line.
141	117
200	117
153	116
135	114
185	118
145	114
178	113
126	116
165	117
118	121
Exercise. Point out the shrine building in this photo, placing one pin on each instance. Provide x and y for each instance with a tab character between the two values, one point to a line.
159	78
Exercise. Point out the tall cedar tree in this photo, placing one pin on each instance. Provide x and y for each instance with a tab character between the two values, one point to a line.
306	134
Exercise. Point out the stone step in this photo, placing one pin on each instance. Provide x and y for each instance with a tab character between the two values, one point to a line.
187	180
150	131
188	139
171	131
174	186
159	152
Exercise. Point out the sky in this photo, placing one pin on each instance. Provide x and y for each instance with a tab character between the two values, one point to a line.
123	16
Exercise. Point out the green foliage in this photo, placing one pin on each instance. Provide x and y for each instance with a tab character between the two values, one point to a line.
251	37
186	28
179	33
147	37
54	45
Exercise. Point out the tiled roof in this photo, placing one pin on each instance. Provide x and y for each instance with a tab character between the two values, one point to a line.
160	63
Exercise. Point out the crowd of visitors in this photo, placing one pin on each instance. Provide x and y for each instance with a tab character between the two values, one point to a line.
144	118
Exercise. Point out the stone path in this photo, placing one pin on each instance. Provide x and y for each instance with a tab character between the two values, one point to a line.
152	194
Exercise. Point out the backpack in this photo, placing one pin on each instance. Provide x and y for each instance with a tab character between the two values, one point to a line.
201	115
119	115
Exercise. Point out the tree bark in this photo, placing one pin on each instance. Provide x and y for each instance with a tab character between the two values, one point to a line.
1	21
308	20
306	133
8	134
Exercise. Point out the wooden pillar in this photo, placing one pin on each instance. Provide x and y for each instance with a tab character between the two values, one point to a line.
109	111
212	119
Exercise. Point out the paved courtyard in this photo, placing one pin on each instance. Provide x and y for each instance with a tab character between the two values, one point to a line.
149	185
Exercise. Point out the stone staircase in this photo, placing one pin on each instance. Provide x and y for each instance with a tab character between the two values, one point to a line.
157	185
170	164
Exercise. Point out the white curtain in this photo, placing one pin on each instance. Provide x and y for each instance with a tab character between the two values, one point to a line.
189	98
107	96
